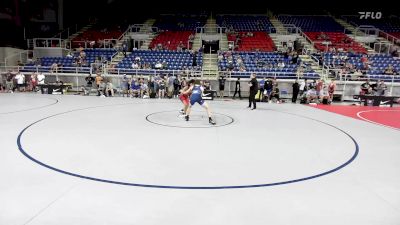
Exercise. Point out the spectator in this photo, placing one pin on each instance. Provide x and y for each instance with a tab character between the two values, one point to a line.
381	88
275	94
144	90
366	88
331	90
54	68
89	84
170	90
281	64
269	85
319	87
262	84
158	65
303	87
109	88
135	65
237	89
296	89
290	45
161	90
101	90
20	78
125	86
135	88
389	70
98	80
311	95
177	86
10	82
221	82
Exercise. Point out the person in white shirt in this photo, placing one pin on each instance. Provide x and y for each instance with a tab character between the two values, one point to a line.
40	78
158	65
20	81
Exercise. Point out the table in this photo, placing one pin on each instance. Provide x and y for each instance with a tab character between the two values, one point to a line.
376	100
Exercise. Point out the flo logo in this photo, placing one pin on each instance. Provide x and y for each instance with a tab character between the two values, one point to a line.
370	15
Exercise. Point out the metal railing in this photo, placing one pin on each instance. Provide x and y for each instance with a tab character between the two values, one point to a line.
64	34
269	74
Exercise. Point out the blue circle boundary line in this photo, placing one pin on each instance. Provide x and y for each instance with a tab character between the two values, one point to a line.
21	149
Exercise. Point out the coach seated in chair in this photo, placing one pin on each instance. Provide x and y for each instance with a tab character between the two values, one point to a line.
312	96
366	88
275	94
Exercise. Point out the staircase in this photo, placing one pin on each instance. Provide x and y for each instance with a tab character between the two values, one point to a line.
211	26
210	65
82	30
223	43
196	42
353	31
306	59
147	28
210	61
280	29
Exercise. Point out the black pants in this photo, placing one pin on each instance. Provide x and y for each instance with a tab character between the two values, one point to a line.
237	91
294	97
276	95
252	99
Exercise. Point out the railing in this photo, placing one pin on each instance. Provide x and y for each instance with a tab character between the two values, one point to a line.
269	74
366	30
50	43
142	28
104	70
105	43
64	34
382	47
286	29
390	38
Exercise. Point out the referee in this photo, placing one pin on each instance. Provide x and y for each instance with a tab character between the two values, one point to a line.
253	84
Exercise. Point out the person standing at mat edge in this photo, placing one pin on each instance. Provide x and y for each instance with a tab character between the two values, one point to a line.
237	89
253	84
296	89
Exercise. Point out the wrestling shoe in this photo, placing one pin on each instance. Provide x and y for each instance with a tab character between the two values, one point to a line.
211	121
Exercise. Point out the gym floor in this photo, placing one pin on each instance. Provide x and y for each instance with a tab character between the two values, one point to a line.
90	160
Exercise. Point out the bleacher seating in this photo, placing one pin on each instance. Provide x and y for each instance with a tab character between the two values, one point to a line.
337	40
250	63
174	37
175	60
389	25
312	23
91	56
260	40
244	23
182	22
379	62
96	34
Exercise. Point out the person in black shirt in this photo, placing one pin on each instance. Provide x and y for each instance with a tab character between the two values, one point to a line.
269	84
237	88
275	94
253	84
296	90
221	82
89	83
366	88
